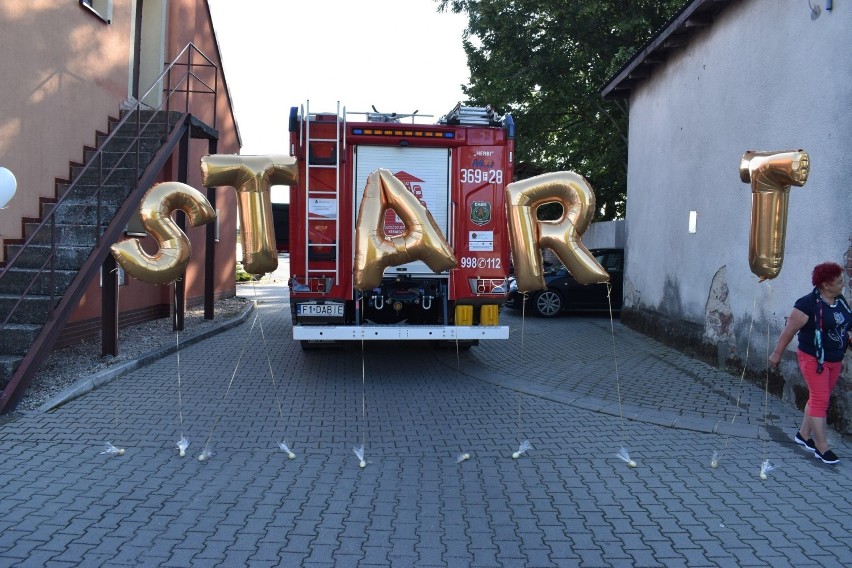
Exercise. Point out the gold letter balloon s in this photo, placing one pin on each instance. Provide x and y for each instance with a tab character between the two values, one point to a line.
374	251
169	262
771	174
563	236
252	177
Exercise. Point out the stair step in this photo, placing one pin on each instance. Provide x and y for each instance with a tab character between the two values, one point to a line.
131	129
8	364
110	158
16	280
155	116
111	194
149	122
112	176
17	338
78	213
70	234
148	142
67	257
32	309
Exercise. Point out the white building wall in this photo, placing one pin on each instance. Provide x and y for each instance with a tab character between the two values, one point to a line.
606	234
764	76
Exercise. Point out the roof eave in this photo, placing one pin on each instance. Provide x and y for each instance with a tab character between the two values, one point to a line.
694	16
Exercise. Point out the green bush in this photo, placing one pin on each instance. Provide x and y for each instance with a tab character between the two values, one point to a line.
242	275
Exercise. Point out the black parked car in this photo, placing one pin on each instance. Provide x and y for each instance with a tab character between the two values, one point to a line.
565	294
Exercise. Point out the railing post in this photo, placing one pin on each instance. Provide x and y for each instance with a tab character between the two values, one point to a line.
138	134
52	258
99	197
188	77
109	307
180	285
210	248
215	94
168	91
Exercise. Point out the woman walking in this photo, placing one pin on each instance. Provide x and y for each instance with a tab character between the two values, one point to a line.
823	322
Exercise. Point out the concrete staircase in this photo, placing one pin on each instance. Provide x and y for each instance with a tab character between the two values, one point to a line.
34	284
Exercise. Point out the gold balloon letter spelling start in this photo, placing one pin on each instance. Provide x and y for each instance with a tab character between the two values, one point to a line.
771	174
169	262
252	177
562	236
374	251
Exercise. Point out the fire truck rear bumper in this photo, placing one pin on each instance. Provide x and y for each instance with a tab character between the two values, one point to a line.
394	332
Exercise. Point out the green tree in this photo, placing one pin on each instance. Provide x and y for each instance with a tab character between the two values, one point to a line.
545	62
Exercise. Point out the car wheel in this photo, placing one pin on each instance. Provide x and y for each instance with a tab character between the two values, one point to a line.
547	304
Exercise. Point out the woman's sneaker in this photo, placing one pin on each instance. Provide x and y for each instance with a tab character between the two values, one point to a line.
827	457
809	444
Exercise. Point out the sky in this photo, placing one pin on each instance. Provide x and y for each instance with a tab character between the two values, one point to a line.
399	55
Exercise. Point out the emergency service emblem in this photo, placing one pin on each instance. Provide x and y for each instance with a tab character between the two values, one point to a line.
480	212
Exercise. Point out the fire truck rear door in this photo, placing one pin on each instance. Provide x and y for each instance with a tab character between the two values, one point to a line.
424	171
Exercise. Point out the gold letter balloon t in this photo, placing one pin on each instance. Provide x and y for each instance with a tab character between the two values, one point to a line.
771	174
252	177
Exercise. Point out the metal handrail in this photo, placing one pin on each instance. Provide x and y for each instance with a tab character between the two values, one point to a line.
95	162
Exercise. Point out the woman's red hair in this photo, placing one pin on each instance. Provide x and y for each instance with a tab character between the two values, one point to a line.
825	272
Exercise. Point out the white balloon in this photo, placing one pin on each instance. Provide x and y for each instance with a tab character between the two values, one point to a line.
8	185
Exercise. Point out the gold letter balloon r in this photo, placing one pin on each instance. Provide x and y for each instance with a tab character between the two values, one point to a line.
528	235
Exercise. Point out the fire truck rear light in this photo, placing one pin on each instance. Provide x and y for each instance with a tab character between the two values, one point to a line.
487	285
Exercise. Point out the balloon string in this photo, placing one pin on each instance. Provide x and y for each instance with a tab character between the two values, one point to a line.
523	323
615	357
745	366
458	356
523	320
180	398
231	382
116	397
266	352
766	388
363	395
177	355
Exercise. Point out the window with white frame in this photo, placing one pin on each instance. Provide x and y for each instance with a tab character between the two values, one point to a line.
100	8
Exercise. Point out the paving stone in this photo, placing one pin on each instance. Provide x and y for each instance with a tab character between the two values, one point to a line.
567	502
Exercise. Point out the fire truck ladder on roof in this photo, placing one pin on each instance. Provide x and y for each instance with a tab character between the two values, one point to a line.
312	166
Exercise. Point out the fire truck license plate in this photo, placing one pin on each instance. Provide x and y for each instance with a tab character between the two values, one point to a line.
321	310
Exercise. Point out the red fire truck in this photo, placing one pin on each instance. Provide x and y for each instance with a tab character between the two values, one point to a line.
457	168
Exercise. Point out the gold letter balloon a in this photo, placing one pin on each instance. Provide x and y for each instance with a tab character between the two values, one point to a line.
374	251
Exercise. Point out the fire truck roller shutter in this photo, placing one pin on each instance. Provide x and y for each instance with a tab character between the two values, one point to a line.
424	171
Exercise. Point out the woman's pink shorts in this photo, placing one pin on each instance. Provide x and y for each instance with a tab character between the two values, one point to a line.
819	385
